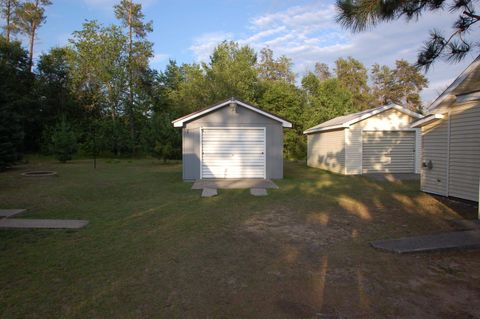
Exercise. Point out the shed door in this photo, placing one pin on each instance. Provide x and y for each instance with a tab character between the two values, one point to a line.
233	153
388	152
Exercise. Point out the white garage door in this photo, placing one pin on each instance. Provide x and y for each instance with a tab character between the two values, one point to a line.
388	152
233	153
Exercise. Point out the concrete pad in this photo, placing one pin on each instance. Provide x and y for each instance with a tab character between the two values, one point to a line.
393	177
11	212
209	192
258	191
233	183
452	240
467	224
43	223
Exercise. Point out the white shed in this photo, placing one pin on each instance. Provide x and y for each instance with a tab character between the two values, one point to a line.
378	140
451	139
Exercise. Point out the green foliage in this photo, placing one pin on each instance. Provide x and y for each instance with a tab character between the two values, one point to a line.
286	100
401	85
273	69
15	100
64	141
353	76
359	15
103	84
329	101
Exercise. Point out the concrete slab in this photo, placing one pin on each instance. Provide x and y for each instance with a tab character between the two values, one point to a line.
258	191
466	224
43	223
393	177
209	192
233	183
11	212
452	240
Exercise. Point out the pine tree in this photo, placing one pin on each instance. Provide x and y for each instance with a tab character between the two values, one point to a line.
31	15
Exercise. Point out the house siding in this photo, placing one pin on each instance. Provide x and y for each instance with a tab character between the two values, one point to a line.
326	150
385	121
464	152
225	117
435	149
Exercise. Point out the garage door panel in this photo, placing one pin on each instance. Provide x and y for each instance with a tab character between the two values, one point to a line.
388	152
233	153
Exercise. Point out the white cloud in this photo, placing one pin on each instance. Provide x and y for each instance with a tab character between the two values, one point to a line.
159	58
309	33
203	45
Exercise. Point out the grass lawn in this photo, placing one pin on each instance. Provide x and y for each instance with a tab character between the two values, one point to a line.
155	249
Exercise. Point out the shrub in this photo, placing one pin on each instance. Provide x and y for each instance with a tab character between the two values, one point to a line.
64	141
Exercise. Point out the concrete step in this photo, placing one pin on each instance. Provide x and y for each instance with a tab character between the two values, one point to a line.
453	240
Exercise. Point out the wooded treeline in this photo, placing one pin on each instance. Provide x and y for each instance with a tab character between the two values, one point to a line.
99	93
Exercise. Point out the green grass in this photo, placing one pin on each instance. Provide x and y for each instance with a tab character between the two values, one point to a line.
155	249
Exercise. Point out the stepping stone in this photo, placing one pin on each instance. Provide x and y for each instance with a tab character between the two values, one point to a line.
258	191
11	212
43	223
453	240
209	192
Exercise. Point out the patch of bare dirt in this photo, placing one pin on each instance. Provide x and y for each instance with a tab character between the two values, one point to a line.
280	225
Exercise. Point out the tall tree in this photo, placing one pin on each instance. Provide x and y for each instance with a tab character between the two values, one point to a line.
353	76
358	15
139	50
410	82
384	87
322	71
231	72
16	84
270	68
31	15
401	85
8	12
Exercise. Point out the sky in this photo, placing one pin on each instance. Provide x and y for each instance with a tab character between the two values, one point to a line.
305	31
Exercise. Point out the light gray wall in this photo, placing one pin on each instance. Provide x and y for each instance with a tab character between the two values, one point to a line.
326	150
464	157
435	149
225	117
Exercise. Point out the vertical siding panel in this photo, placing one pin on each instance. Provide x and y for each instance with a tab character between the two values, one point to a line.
435	149
326	150
464	162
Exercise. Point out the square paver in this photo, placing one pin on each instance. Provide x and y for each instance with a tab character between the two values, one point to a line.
11	212
209	192
258	191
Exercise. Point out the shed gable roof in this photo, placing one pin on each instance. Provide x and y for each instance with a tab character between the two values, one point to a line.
350	119
189	117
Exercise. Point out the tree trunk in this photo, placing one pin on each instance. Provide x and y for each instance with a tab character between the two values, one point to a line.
130	73
7	27
32	41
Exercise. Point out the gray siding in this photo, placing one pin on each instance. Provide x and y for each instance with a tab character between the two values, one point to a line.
326	150
225	117
464	160
435	149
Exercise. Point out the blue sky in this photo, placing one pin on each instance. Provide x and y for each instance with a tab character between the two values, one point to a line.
187	30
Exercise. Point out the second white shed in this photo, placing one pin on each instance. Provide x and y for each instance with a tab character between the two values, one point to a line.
378	140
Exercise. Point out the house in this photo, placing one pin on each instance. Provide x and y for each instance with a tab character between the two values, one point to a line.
378	140
232	139
451	139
